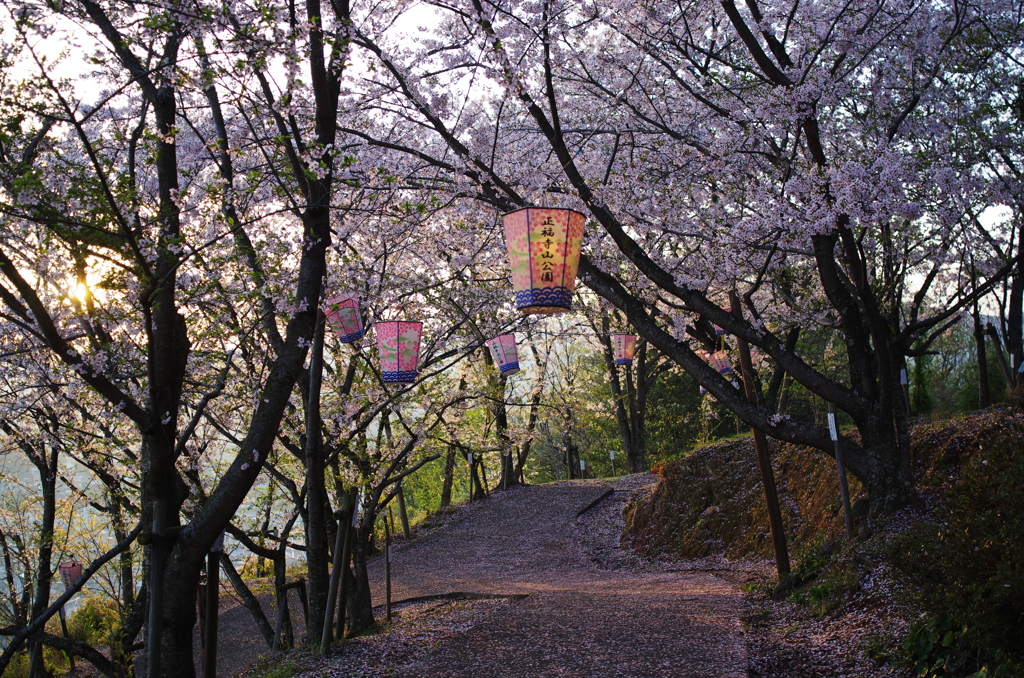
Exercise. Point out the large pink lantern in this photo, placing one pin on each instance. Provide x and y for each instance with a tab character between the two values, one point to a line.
720	361
625	348
544	253
70	573
398	342
503	350
342	313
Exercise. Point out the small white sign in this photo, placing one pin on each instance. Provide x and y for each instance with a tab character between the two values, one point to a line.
611	454
583	465
218	543
903	377
470	458
355	510
832	426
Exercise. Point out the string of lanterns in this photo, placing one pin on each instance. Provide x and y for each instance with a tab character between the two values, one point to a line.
544	246
544	254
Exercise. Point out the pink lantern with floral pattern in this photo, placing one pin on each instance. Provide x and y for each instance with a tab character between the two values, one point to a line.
342	313
720	361
398	342
625	348
503	350
70	572
544	253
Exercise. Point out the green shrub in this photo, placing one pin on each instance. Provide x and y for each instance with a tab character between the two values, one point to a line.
94	622
936	648
967	562
811	558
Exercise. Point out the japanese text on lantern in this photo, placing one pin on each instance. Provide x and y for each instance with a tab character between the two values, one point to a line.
547	267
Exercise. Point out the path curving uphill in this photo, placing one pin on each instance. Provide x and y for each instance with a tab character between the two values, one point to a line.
579	609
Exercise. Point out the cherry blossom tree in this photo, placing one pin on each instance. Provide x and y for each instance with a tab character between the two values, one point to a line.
133	173
799	154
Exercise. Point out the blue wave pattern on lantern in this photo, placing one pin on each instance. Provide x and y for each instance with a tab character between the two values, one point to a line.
399	376
544	296
349	338
509	368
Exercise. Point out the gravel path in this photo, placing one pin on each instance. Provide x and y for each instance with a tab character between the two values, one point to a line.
589	608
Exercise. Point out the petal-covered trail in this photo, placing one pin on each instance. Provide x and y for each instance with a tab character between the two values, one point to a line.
586	612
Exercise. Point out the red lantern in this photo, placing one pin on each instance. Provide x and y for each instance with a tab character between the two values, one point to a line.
625	348
398	342
70	572
544	253
342	313
503	350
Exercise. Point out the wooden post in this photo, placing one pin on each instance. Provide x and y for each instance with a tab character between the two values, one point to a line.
844	489
387	569
402	514
332	592
763	460
212	607
35	662
304	599
158	564
64	629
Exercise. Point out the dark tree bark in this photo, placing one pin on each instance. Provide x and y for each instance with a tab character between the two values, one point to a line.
449	478
979	345
317	508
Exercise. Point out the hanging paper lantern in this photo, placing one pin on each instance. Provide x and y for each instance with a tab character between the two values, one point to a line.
719	330
503	350
343	316
720	361
755	359
544	253
398	343
625	348
70	573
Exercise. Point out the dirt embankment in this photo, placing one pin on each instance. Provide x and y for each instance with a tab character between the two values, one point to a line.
712	502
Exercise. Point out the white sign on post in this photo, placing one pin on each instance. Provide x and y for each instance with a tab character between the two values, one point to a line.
611	454
583	465
470	458
832	426
903	377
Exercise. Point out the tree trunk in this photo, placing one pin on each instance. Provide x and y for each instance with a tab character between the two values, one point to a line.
317	507
979	344
360	606
449	478
620	400
1015	319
